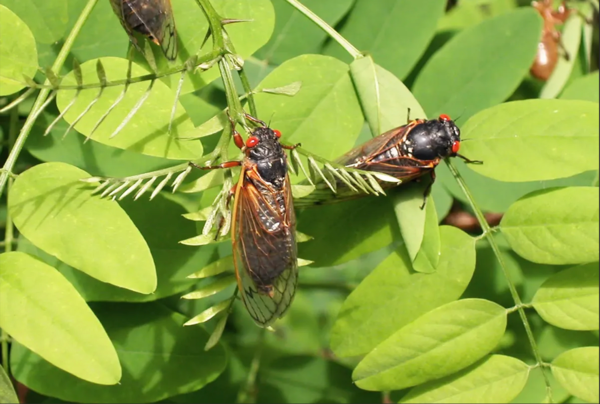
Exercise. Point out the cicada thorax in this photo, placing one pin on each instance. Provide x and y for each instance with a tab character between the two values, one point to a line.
151	18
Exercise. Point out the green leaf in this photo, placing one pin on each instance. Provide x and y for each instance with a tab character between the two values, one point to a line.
324	116
160	223
495	379
577	371
556	226
57	212
146	131
408	200
400	35
383	97
294	34
392	295
569	38
569	299
428	256
471	73
18	52
583	88
46	19
435	345
160	358
7	391
41	309
534	140
350	230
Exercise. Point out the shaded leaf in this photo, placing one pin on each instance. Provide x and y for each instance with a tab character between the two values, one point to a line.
400	35
294	34
470	73
160	358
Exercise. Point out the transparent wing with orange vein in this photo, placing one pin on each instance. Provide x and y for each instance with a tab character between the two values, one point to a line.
264	247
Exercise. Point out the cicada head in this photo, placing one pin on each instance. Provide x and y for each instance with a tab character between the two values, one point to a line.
433	139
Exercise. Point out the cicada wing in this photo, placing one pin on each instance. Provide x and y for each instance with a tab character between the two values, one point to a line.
376	146
265	251
167	34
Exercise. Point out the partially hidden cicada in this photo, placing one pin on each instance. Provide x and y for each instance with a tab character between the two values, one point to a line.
150	18
406	153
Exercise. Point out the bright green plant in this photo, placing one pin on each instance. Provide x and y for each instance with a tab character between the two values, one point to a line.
393	304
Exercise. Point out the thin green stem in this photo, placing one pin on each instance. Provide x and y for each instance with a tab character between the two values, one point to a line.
249	389
204	59
43	94
9	235
492	241
249	92
355	53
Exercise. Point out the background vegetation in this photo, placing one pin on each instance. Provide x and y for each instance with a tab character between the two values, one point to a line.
396	304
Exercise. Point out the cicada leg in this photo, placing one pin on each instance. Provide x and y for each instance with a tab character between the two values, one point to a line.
469	161
291	147
255	120
227	164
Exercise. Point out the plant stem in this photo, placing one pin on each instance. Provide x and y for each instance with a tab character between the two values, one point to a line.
249	390
41	98
249	92
132	80
9	236
487	231
355	53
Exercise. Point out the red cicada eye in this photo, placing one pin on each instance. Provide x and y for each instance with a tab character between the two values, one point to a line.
444	117
455	147
277	133
251	142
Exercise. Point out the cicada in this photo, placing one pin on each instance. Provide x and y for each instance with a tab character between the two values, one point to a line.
263	229
152	19
406	153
